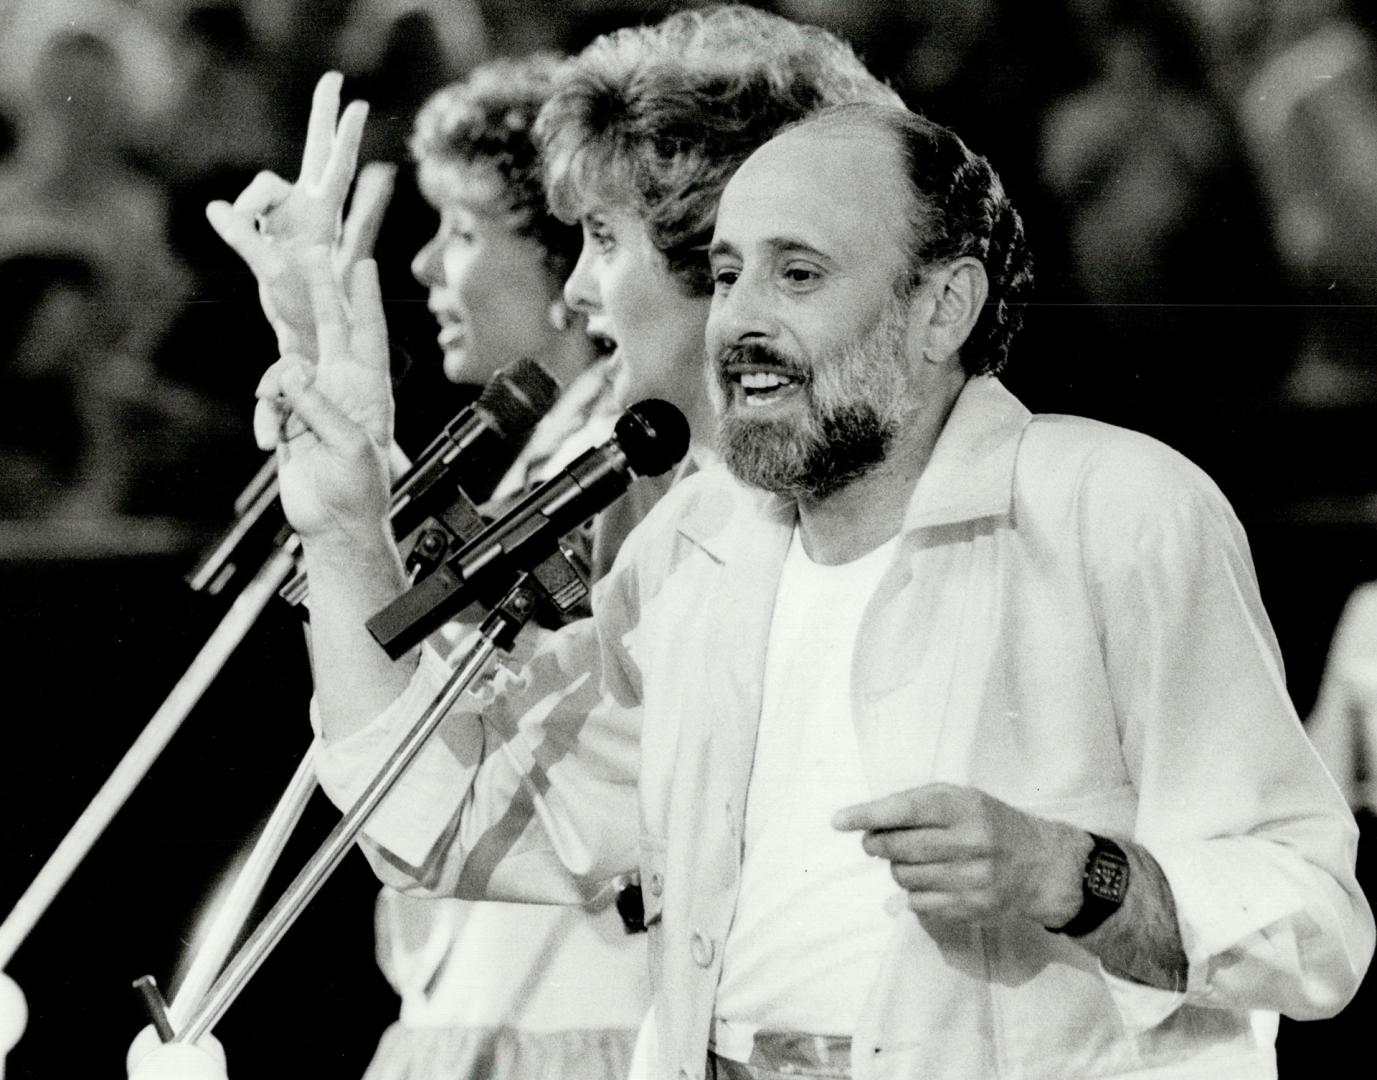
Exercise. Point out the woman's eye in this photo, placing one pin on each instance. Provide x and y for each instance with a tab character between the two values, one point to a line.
800	275
597	235
725	278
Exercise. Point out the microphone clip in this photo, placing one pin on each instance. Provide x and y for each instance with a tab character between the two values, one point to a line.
561	586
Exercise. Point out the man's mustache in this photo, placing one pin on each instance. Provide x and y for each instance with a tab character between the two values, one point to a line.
756	355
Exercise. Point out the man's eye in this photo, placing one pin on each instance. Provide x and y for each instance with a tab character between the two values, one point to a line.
800	275
724	279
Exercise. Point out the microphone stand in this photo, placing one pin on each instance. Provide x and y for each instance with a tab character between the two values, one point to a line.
493	429
248	885
14	1014
498	631
245	610
523	398
140	756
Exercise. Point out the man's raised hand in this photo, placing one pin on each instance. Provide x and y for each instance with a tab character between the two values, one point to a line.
273	224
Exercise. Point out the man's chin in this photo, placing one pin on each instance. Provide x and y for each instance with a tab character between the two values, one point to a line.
782	456
760	452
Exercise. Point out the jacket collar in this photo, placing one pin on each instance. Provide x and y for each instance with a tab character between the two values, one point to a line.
970	475
971	472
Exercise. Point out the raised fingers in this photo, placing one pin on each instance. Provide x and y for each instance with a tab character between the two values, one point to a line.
320	128
366	210
272	409
238	231
369	337
332	326
263	193
338	171
268	415
317	413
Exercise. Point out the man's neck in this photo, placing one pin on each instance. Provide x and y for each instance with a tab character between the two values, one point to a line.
856	520
870	510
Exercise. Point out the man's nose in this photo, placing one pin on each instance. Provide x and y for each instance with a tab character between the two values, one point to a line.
744	312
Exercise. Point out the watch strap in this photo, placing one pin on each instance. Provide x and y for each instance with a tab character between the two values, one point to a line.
1104	884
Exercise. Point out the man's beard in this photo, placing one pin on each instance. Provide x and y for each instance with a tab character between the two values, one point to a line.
858	400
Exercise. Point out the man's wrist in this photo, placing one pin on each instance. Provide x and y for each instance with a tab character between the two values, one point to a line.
1064	893
1104	887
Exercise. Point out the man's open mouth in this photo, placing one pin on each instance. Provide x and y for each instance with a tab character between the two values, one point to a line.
760	386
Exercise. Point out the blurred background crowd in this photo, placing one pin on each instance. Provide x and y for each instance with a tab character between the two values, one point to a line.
1198	179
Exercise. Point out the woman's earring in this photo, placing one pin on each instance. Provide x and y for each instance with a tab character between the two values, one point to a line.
561	318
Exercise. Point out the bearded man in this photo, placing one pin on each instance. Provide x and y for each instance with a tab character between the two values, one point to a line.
910	635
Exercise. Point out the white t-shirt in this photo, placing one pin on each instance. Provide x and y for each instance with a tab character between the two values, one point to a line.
810	924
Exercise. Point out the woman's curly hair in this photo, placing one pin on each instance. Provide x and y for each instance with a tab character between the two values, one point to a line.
485	124
659	117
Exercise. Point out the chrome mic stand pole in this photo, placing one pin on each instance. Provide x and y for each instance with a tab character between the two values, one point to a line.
497	631
139	758
228	921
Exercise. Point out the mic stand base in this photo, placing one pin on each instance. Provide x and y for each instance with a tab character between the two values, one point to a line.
14	1015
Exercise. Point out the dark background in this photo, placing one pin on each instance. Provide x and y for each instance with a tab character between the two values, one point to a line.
1205	274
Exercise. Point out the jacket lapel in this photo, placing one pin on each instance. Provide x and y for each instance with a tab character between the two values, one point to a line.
751	551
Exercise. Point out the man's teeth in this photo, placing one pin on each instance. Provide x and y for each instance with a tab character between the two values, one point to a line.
762	387
764	380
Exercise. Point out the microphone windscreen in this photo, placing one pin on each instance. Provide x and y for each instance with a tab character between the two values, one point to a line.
653	435
517	397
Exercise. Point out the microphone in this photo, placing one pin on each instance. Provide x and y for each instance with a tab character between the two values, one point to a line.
471	454
477	447
649	438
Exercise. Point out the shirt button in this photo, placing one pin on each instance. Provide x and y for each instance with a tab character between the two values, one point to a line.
702	948
484	694
657	884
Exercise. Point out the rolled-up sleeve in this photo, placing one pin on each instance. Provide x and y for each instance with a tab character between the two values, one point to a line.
1255	841
526	791
418	812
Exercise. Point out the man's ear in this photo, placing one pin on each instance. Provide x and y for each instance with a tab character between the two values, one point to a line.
956	294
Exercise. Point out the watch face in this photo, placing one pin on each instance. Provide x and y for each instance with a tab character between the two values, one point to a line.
1107	876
